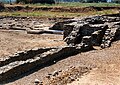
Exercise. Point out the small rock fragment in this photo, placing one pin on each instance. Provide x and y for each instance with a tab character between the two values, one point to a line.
37	81
55	73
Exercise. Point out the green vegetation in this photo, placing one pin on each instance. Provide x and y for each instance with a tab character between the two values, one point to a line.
36	1
77	4
48	14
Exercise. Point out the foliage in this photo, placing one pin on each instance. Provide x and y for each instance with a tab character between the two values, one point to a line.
36	1
116	1
1	4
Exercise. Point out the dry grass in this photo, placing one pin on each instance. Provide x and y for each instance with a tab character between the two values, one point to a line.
77	4
49	14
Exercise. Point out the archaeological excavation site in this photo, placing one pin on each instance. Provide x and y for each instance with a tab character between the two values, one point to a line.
60	51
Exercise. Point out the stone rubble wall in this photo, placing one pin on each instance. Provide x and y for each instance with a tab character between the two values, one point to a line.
19	67
98	27
110	34
22	55
60	25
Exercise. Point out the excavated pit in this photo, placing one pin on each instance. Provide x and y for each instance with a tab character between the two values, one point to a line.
81	35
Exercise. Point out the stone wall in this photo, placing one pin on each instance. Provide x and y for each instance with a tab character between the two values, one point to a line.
97	27
37	58
25	61
22	55
60	25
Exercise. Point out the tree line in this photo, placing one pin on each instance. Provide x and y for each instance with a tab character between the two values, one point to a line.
57	1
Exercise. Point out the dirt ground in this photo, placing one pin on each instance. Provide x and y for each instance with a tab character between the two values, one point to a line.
13	41
96	67
81	9
107	71
104	63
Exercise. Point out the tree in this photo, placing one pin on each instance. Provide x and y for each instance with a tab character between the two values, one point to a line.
10	2
91	1
116	1
36	1
1	6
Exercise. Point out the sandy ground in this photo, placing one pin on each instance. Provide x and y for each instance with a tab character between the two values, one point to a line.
13	41
105	66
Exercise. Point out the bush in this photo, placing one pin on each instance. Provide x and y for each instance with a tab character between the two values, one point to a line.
36	1
1	6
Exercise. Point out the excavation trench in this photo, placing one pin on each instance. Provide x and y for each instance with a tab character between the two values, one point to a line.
80	35
21	66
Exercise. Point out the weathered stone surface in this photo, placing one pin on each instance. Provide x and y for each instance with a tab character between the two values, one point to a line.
68	29
110	34
60	25
86	44
80	31
22	55
18	67
44	31
97	27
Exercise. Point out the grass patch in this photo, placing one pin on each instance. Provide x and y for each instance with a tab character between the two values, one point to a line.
77	4
48	14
